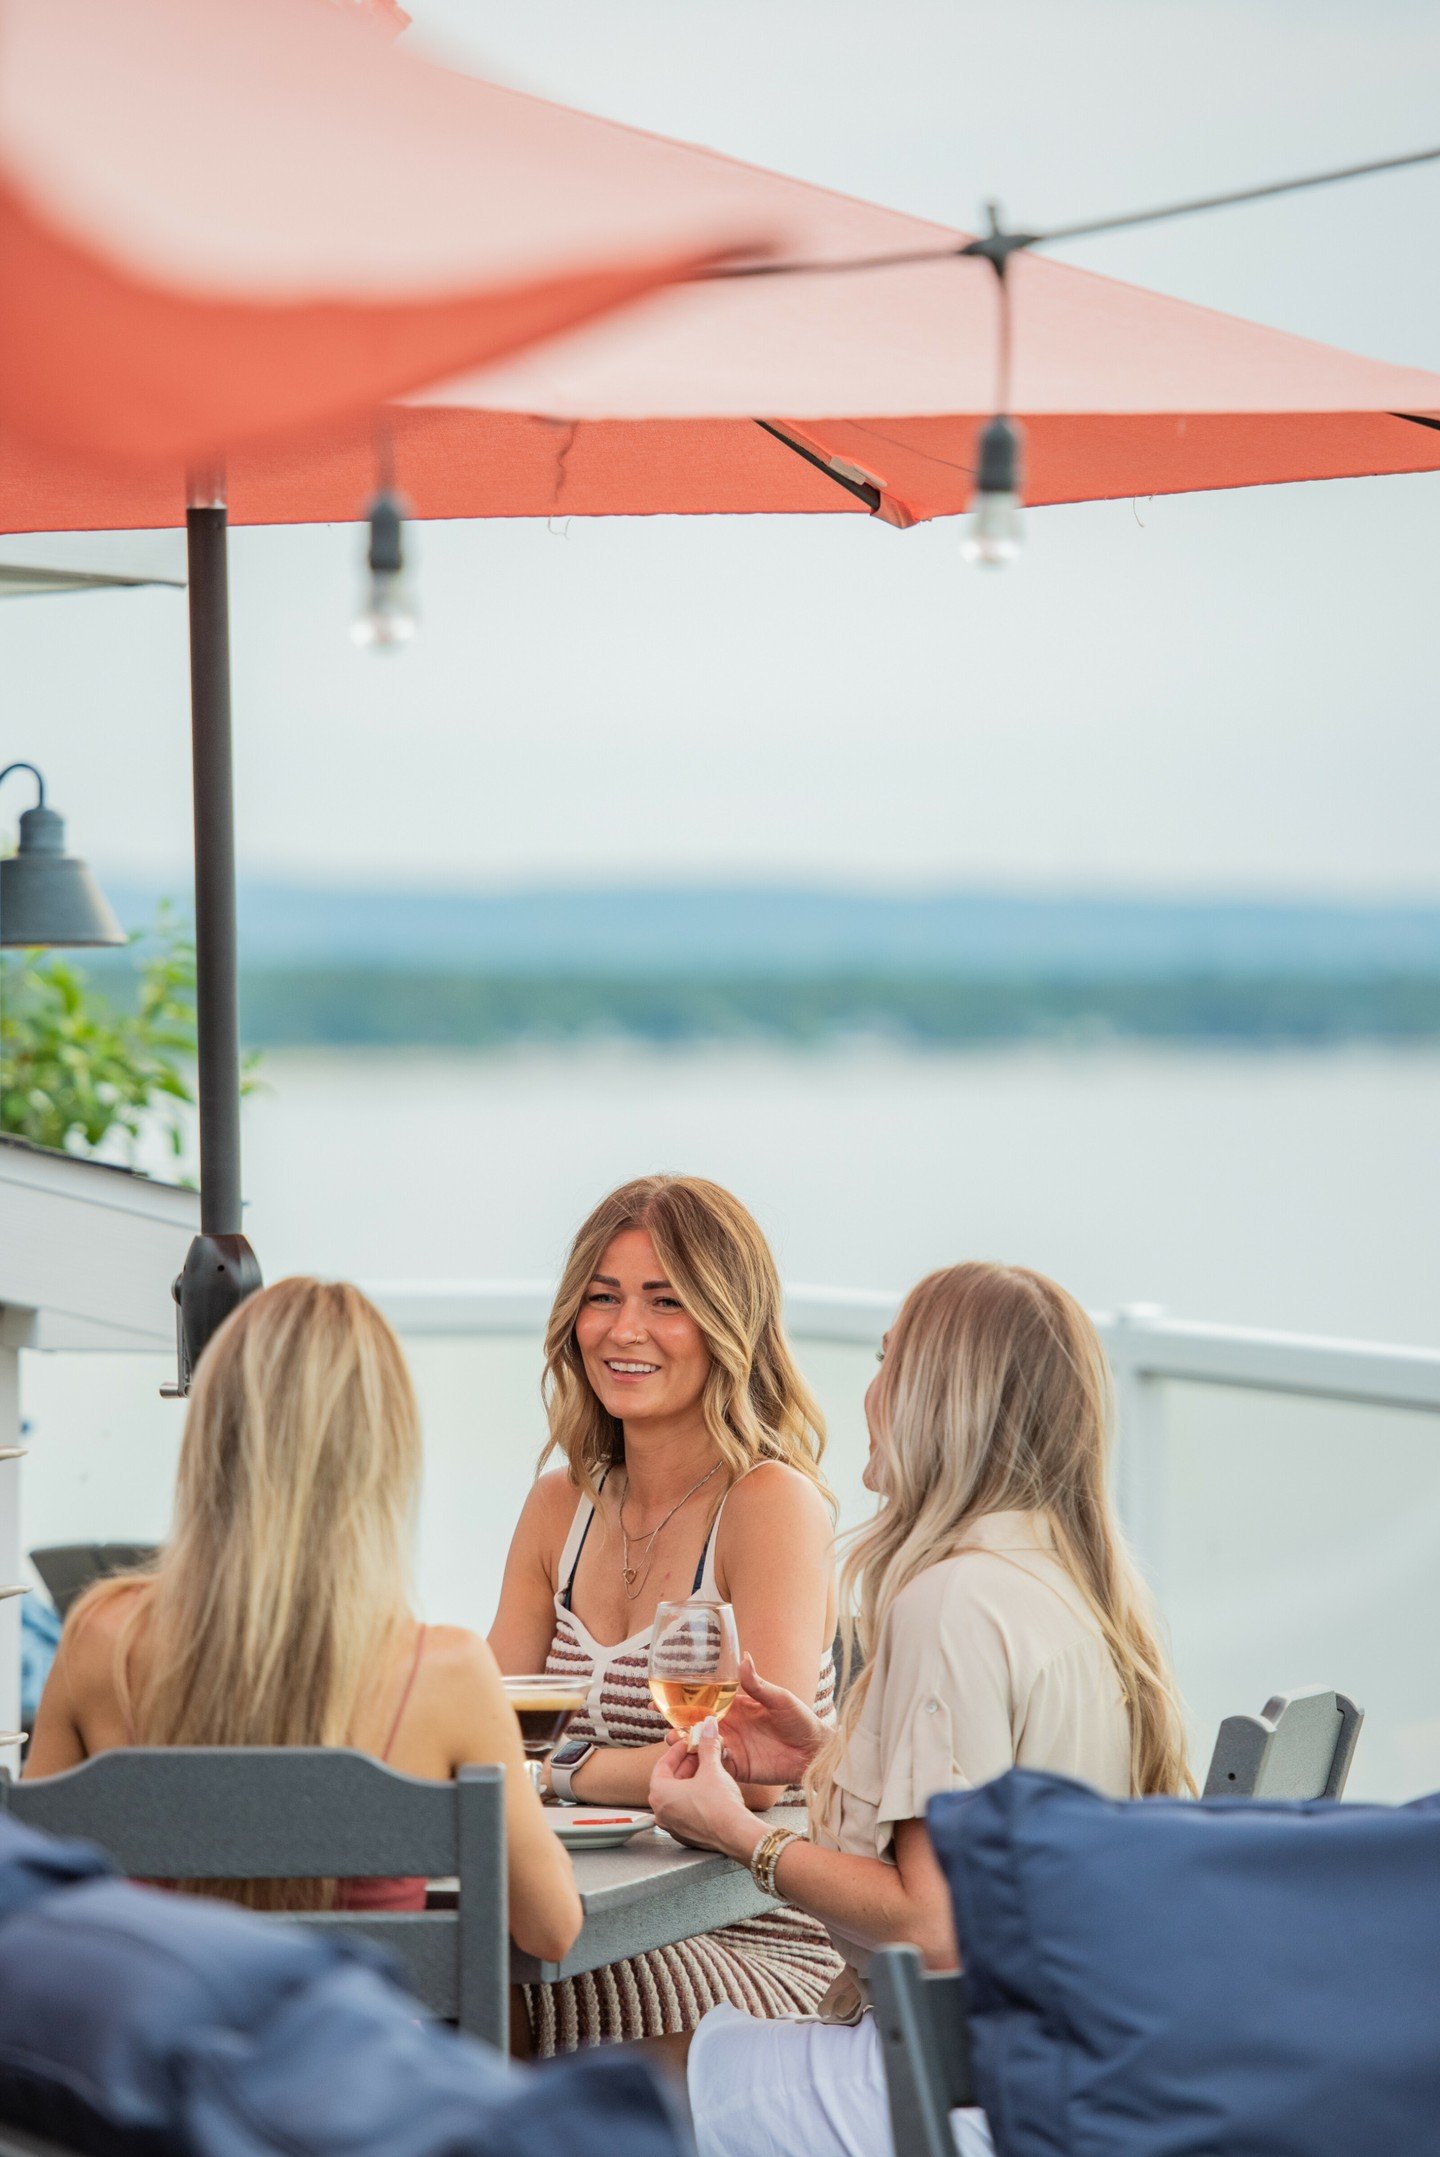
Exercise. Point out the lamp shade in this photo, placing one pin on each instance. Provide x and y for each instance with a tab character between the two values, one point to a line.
46	895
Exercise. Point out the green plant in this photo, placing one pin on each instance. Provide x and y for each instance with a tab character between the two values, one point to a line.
80	1066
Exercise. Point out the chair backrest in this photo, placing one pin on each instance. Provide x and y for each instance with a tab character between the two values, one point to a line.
312	1812
1301	1746
845	1672
925	2044
68	1569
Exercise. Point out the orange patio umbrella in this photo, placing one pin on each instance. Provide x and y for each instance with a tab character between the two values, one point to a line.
224	219
836	388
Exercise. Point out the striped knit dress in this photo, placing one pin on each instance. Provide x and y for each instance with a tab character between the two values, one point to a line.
779	1964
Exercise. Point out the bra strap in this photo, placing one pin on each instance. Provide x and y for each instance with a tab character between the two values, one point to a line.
567	1592
705	1582
409	1688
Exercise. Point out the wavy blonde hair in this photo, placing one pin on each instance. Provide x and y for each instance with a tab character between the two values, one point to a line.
284	1588
756	1404
994	1395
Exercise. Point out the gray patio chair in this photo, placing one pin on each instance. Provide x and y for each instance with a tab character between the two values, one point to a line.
1300	1747
925	2043
271	1812
68	1569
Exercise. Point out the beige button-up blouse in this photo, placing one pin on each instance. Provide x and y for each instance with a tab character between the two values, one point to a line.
991	1659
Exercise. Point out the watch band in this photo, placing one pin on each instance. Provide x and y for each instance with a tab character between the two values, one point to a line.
562	1778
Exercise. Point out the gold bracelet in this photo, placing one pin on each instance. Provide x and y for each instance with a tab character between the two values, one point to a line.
767	1857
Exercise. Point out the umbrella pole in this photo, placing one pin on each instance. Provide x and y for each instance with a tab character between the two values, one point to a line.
220	1268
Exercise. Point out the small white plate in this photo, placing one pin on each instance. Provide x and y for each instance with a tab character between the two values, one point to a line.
600	1827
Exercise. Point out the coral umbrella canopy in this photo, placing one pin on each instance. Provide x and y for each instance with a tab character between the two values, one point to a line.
837	388
224	219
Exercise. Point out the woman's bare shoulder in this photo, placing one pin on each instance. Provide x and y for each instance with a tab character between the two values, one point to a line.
93	1633
102	1614
774	1514
454	1648
773	1489
549	1507
457	1671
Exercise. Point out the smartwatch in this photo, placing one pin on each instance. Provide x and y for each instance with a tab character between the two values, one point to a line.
563	1763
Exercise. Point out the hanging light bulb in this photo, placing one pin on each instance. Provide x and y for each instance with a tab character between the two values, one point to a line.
388	615
997	532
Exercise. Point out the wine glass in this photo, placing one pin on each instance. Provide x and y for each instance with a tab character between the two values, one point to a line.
544	1705
694	1662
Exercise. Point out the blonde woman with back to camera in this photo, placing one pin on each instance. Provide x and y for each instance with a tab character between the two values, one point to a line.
1004	1624
279	1611
690	1448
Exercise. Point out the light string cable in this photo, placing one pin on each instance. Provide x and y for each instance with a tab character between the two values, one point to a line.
998	244
995	531
994	537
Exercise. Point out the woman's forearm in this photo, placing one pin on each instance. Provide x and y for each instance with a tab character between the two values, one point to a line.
865	1898
616	1775
545	1910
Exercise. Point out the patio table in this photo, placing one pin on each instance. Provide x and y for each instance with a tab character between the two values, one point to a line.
648	1893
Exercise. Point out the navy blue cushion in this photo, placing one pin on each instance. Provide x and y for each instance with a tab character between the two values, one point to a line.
103	1984
136	2021
337	2073
32	1865
1187	1979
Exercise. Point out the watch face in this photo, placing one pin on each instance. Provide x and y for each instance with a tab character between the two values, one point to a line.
569	1755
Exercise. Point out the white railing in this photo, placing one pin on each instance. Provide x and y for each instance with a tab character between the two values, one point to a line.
449	1308
1146	1349
1142	1342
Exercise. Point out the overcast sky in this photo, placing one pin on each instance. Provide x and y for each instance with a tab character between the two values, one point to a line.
1233	691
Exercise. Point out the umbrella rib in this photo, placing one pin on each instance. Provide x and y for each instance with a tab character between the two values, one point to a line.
861	489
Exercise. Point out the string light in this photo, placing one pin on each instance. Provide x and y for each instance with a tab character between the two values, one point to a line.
997	532
388	616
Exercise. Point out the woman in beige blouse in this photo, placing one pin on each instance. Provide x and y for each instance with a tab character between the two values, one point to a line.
1004	1624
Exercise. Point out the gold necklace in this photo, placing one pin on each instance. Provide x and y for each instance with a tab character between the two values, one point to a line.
634	1584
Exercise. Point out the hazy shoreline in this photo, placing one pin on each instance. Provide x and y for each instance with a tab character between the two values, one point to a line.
376	1008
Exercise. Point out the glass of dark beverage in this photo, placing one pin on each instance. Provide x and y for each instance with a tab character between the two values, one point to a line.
694	1662
544	1705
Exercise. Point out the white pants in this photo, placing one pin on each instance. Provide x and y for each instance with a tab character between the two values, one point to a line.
798	2089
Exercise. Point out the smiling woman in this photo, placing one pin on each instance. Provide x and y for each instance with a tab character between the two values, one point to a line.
692	1448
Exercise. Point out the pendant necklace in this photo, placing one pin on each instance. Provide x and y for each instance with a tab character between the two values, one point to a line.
633	1577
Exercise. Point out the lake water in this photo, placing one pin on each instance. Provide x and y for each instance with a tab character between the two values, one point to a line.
1298	1540
1298	1191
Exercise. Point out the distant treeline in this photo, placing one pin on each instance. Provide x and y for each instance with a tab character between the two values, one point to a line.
383	1008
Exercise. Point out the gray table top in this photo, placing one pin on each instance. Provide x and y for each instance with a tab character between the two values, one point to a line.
650	1893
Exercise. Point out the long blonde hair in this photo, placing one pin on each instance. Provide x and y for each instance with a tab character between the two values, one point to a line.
284	1588
756	1404
994	1396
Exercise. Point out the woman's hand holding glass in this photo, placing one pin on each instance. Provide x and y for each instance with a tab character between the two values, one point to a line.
696	1799
770	1736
